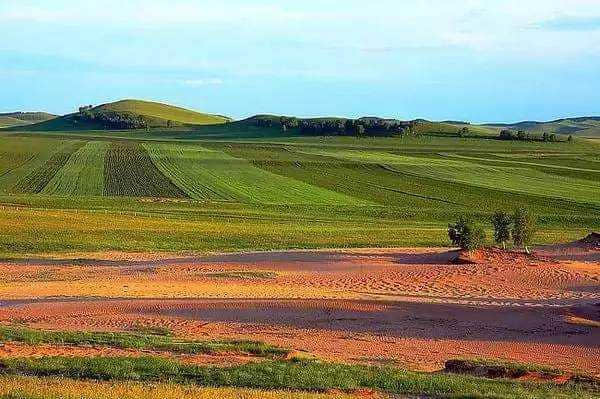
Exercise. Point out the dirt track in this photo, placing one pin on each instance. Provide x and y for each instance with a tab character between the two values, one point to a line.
405	306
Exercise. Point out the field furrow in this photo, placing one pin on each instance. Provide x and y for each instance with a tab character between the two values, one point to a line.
83	174
214	175
37	179
19	156
517	178
129	172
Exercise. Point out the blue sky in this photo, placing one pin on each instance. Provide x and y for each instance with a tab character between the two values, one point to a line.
475	60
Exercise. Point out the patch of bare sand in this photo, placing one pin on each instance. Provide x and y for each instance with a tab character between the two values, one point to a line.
393	274
584	250
416	335
407	306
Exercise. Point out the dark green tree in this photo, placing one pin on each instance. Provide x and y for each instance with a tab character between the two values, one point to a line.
507	135
462	132
360	130
466	234
502	223
524	226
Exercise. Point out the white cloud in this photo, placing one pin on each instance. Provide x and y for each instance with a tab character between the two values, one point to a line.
202	82
237	35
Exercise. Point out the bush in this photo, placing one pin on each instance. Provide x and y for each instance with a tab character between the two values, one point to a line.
466	234
502	225
524	226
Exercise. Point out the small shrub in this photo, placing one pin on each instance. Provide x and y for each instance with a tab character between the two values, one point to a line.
466	234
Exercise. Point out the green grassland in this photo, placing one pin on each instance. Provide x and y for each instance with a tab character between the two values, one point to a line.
151	114
7	121
23	118
581	127
298	375
236	186
164	111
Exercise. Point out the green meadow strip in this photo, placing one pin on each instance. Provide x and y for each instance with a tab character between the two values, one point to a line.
39	177
215	175
292	375
83	174
147	338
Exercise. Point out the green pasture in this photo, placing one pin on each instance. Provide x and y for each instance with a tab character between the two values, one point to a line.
88	192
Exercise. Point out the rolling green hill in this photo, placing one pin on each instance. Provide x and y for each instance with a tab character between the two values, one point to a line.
163	111
7	121
23	118
126	114
582	127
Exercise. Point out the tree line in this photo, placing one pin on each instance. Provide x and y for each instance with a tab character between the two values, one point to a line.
521	135
362	127
519	227
112	119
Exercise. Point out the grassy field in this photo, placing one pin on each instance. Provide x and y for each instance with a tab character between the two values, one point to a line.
142	338
134	191
152	113
581	127
288	375
164	111
51	388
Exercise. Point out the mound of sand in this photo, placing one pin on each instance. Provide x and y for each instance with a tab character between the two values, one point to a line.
495	256
585	250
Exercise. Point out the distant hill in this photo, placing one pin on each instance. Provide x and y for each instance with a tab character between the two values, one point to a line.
272	126
126	114
582	126
23	118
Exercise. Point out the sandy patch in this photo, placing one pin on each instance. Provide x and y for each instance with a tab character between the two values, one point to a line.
410	307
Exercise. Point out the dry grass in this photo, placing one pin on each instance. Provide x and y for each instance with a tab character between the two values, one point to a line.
71	389
580	321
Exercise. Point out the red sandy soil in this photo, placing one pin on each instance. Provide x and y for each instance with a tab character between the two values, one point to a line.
404	306
584	250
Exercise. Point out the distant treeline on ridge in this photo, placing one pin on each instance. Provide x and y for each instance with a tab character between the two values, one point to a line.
367	126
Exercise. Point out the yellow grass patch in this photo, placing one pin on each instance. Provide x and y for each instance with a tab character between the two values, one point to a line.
580	321
72	389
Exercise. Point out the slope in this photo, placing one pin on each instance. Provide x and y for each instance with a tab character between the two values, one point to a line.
7	121
588	126
126	115
23	118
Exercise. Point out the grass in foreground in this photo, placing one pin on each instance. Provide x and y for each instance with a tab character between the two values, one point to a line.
17	387
278	375
147	338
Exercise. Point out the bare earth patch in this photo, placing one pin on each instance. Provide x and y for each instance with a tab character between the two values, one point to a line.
410	307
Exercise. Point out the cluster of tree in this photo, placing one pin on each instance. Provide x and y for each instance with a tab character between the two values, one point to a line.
520	227
524	136
113	120
340	127
463	131
85	108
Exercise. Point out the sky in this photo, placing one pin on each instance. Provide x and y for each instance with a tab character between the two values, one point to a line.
471	60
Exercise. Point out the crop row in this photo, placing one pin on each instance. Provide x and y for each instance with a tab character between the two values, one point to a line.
215	175
129	172
35	181
83	174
